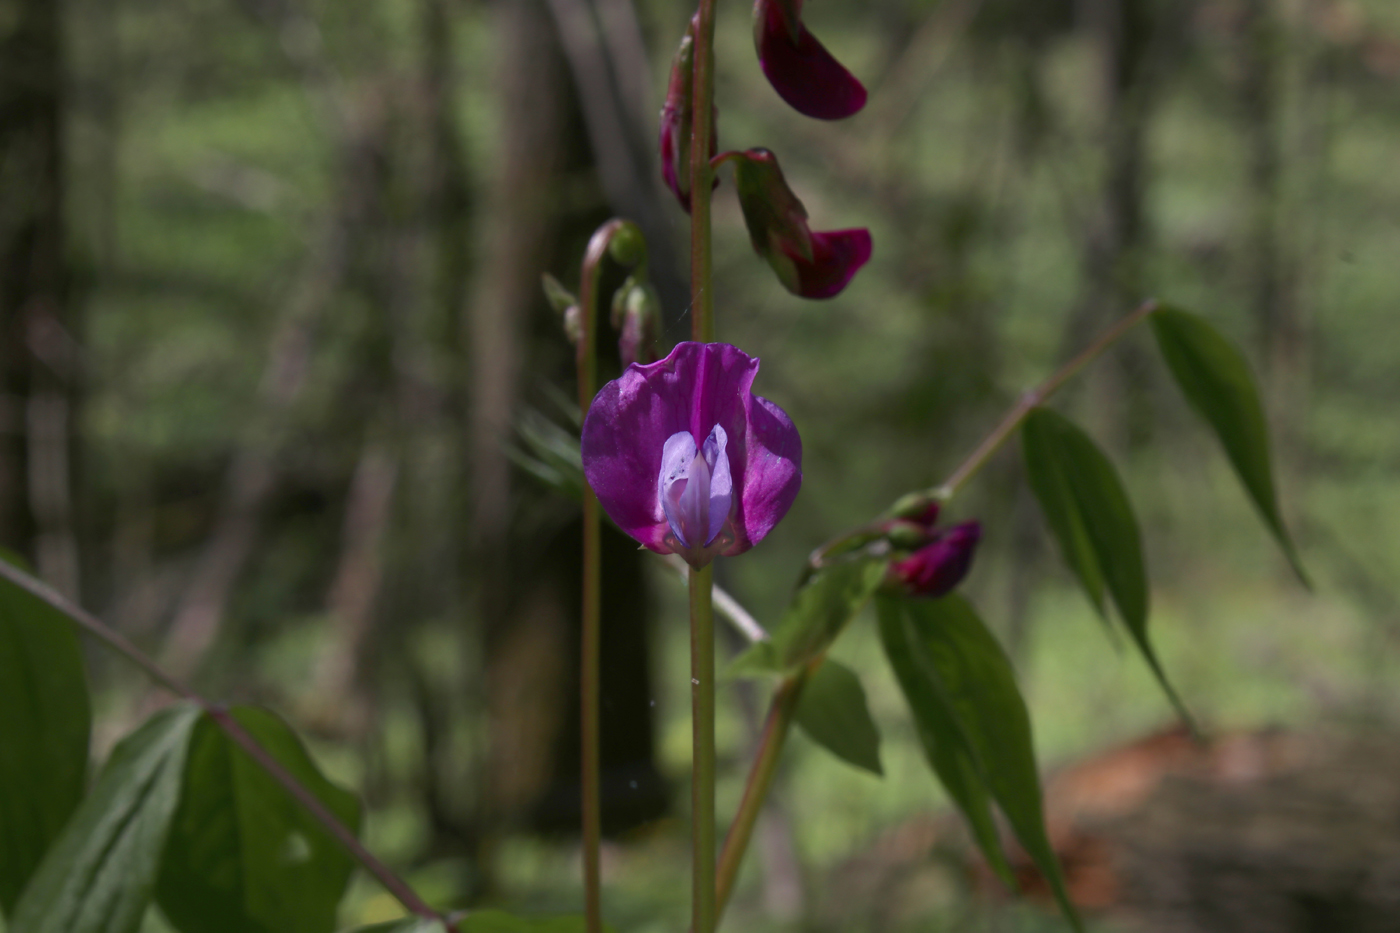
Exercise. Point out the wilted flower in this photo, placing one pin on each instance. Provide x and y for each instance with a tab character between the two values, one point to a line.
809	263
799	67
938	566
676	119
686	459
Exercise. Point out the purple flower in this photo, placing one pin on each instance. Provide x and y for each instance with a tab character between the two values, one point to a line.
686	459
809	263
940	565
799	67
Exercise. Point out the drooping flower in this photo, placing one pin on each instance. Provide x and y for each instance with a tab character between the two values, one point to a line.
938	566
809	263
686	459
799	67
676	119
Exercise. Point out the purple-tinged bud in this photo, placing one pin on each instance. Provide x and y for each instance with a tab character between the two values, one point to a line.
566	304
676	119
906	535
812	264
937	567
801	70
917	507
636	314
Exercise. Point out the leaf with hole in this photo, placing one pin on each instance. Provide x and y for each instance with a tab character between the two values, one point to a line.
973	722
1215	378
244	856
833	713
98	876
45	721
1089	513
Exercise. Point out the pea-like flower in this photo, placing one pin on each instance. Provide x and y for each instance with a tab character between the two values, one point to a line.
938	566
799	67
686	459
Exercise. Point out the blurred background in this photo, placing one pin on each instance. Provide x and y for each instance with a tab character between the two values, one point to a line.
269	290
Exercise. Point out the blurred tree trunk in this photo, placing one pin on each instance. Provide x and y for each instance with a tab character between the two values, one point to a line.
1116	240
37	358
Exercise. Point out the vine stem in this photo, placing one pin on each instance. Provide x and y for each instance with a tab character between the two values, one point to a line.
702	301
765	765
702	705
222	718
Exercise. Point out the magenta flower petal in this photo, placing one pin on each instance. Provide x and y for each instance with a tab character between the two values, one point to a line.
668	491
937	567
837	256
800	68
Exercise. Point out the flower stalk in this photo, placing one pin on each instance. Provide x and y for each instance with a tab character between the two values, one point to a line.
702	701
702	302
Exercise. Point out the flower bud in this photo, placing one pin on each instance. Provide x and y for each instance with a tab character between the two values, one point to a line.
636	314
917	507
812	264
906	535
937	567
676	119
801	70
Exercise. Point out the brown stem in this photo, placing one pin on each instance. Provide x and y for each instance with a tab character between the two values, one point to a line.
225	721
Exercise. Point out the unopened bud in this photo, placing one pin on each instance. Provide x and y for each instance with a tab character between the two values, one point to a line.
907	535
937	567
917	507
640	326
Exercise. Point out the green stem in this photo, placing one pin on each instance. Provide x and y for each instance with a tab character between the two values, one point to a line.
999	435
702	302
760	779
235	731
702	705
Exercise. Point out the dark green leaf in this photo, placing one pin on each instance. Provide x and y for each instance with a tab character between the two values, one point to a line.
952	759
833	713
45	720
98	875
1089	512
1216	381
816	616
243	856
963	684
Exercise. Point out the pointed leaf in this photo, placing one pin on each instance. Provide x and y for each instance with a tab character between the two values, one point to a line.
98	876
961	669
1088	510
945	745
816	616
1215	378
243	856
45	721
832	711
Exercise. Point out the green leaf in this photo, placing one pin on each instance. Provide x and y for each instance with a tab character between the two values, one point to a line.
1213	375
963	691
406	925
1089	513
98	876
45	721
816	616
497	921
832	711
243	856
945	745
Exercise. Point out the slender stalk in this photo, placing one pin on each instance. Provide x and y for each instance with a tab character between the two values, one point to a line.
591	624
235	731
1008	425
760	779
702	706
702	302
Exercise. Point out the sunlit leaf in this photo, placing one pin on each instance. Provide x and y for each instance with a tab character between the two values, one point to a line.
816	616
963	691
1215	378
832	711
99	874
1088	510
243	856
45	720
